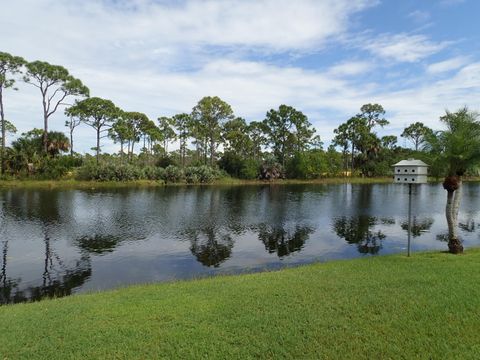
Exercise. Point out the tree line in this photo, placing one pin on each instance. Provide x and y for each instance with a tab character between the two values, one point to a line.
283	144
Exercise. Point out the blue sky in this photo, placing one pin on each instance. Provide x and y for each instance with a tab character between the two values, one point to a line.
326	58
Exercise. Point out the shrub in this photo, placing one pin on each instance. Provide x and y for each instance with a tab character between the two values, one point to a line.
109	172
165	161
231	163
173	174
153	173
53	168
250	169
271	170
307	165
238	167
201	174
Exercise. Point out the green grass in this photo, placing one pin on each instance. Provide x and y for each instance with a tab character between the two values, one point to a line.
426	306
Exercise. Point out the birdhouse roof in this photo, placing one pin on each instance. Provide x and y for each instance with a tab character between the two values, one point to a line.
411	162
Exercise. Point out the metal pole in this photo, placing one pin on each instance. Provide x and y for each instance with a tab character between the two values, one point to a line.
409	217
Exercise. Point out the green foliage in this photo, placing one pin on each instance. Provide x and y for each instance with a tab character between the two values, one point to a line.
153	173
250	169
307	165
55	85
418	133
208	117
97	113
239	167
109	172
288	131
456	150
173	174
53	168
165	161
201	174
270	169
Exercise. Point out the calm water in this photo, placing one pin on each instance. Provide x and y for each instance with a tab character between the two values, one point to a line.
59	242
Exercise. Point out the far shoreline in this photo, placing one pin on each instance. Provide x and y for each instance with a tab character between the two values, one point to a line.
80	184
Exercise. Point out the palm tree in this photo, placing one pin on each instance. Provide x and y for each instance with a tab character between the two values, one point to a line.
57	143
457	149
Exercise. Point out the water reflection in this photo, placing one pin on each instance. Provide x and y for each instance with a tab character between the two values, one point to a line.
98	244
56	243
210	247
469	225
358	230
281	241
419	226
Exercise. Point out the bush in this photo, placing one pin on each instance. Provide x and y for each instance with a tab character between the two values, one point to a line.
173	174
231	163
238	167
165	161
307	165
153	173
56	168
109	172
271	170
201	174
250	169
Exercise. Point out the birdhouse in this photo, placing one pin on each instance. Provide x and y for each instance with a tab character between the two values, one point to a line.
410	171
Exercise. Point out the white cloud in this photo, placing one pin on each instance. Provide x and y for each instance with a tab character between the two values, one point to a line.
447	65
161	58
131	29
404	47
420	16
351	68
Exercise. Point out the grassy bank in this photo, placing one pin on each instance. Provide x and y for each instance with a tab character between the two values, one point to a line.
426	306
76	184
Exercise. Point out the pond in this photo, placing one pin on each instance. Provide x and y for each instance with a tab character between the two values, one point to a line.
60	242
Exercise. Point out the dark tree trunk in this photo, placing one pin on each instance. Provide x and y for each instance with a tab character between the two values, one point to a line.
71	142
353	155
212	151
98	145
4	132
45	123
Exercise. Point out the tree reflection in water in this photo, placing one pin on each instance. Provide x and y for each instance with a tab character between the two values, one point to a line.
358	230
418	226
469	225
279	240
98	244
209	246
57	278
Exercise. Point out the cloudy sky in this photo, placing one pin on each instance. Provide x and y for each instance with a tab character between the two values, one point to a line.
324	57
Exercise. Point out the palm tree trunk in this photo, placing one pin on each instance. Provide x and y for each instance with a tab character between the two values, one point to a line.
451	211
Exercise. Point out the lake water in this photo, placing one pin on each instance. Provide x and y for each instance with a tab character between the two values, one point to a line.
59	242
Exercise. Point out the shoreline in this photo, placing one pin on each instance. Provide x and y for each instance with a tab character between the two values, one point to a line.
78	184
338	309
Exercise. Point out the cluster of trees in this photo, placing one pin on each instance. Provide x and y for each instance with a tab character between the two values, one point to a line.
283	144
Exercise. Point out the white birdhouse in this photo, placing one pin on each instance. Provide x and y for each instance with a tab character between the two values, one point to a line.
410	171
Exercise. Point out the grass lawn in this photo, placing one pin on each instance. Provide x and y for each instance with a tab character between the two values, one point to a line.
426	306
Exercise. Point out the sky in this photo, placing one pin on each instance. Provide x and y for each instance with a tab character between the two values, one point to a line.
326	58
